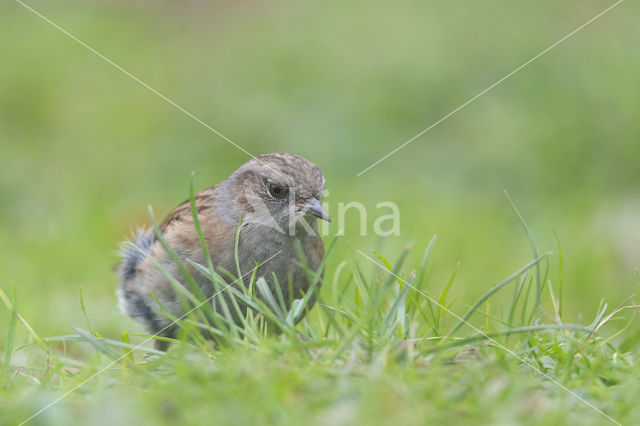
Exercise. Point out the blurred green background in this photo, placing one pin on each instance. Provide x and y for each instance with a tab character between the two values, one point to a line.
84	149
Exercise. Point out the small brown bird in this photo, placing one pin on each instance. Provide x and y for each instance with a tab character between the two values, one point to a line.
276	198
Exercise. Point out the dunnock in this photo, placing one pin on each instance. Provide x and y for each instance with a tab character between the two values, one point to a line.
275	197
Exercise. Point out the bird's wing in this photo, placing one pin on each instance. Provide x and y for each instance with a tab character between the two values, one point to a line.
203	201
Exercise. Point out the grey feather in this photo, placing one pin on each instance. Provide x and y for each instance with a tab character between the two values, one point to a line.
131	257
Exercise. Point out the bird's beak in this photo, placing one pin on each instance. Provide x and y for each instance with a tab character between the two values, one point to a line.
313	207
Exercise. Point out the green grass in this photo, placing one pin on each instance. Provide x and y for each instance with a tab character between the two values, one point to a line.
383	344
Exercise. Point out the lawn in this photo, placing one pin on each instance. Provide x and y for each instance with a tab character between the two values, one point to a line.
538	274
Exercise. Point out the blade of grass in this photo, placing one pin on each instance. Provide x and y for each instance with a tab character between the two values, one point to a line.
180	322
443	299
13	321
603	321
493	290
110	342
331	319
236	254
556	315
265	291
423	264
560	273
31	331
196	223
276	286
533	248
420	280
537	311
525	303
213	276
176	259
394	270
84	311
97	343
508	332
387	325
516	296
125	340
488	317
180	290
336	278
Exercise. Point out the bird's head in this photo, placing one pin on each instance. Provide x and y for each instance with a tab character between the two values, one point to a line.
280	190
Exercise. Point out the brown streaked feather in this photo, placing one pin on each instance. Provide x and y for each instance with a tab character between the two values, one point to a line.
203	201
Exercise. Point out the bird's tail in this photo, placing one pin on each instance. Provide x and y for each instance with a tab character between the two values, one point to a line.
131	256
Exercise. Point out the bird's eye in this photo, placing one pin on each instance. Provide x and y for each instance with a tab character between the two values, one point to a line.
277	191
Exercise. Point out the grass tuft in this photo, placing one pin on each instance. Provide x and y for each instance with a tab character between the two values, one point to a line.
363	327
